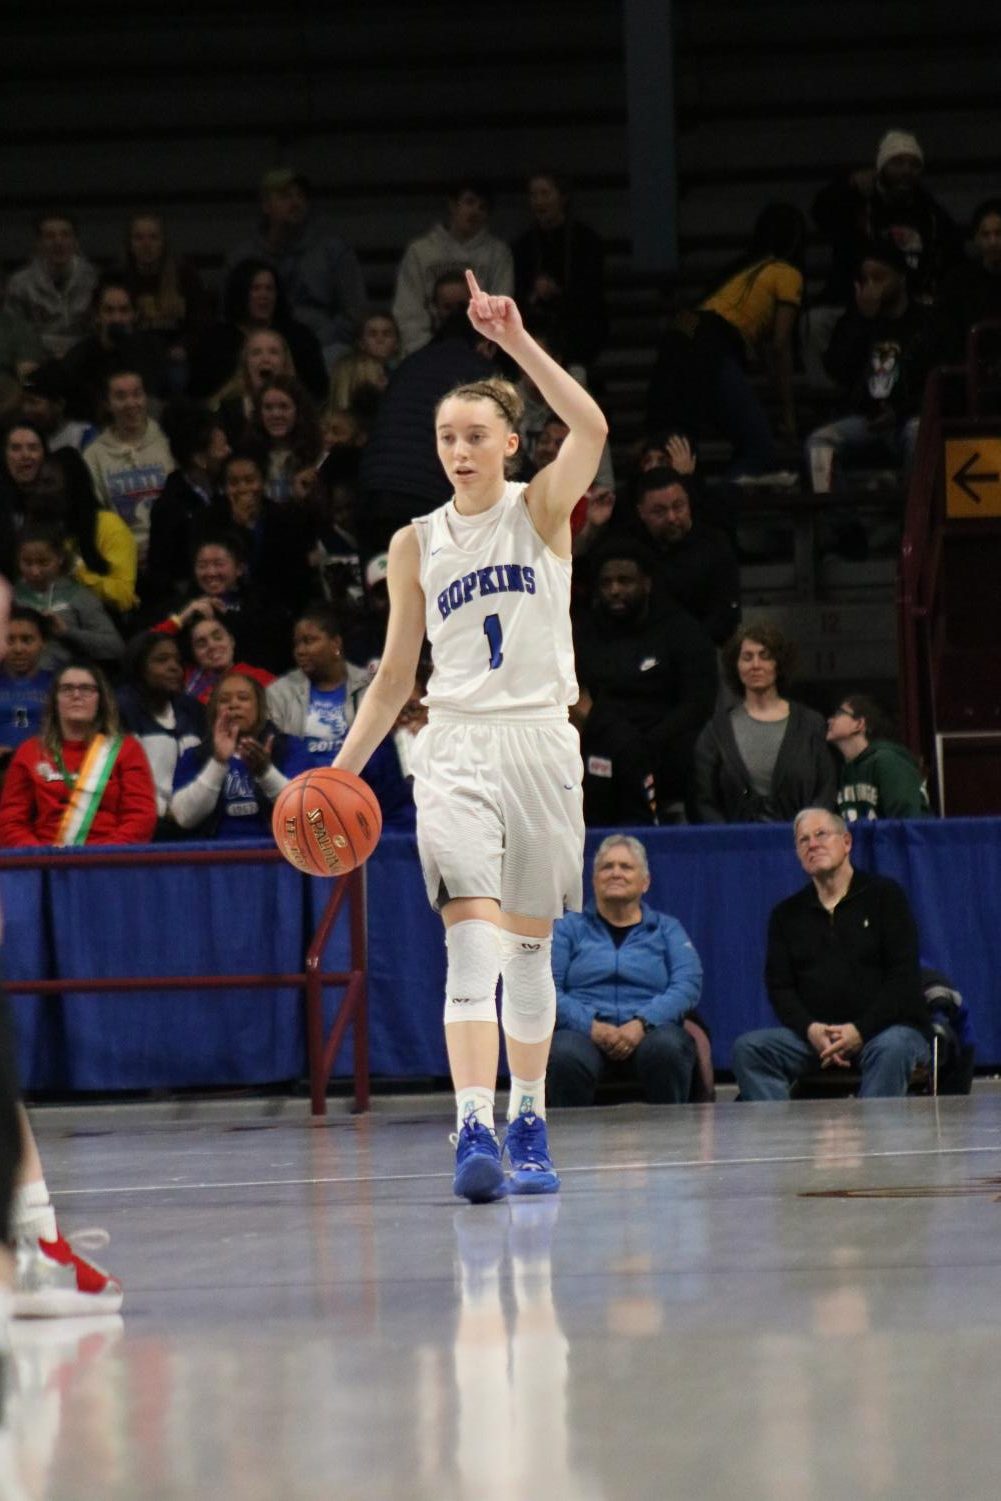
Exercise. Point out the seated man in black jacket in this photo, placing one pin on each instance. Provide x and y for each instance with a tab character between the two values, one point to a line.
880	353
648	683
842	976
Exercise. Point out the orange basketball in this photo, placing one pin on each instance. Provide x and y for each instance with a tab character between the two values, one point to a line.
326	822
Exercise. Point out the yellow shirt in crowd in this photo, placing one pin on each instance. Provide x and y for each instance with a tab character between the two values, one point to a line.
749	299
116	543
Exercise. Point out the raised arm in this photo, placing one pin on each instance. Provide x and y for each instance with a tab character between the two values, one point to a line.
558	487
394	681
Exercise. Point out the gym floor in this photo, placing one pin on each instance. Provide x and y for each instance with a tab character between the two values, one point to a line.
771	1302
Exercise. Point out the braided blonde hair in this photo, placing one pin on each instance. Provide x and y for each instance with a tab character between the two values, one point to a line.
505	397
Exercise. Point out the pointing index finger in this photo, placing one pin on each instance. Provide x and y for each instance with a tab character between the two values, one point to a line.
472	284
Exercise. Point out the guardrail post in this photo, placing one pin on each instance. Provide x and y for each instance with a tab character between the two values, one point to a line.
312	979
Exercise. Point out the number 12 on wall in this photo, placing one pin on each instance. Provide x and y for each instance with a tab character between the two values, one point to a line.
495	639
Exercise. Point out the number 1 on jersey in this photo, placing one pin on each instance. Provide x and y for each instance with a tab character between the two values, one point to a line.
495	639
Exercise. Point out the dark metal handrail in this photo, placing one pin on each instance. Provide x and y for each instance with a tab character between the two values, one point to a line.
321	1052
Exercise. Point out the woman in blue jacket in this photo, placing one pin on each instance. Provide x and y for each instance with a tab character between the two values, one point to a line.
626	979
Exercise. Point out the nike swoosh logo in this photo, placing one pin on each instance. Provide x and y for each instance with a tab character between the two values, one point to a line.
434	550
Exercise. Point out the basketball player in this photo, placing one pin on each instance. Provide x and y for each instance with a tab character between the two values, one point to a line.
497	769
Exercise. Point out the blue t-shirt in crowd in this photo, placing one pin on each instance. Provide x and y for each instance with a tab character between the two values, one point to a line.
22	703
326	724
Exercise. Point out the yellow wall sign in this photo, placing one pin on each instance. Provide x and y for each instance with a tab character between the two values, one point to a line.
973	477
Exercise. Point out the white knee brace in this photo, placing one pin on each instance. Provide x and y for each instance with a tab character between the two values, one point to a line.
528	1007
473	949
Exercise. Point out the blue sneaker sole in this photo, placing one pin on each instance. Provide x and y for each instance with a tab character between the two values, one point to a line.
534	1183
480	1180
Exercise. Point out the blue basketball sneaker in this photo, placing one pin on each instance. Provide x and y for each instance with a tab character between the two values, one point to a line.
479	1176
527	1146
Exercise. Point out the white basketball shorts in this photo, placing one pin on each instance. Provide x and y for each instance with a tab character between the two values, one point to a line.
500	812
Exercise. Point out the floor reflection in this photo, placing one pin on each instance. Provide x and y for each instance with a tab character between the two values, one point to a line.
511	1356
47	1357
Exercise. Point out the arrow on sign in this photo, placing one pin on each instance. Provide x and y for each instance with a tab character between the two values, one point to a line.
965	478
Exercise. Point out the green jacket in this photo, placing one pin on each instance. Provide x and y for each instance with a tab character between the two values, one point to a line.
885	781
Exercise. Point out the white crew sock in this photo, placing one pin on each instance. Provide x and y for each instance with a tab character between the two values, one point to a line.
478	1101
32	1216
528	1097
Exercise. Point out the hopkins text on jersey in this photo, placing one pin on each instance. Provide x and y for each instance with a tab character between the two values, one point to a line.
498	578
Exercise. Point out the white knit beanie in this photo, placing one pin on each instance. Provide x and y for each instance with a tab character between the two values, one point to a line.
898	143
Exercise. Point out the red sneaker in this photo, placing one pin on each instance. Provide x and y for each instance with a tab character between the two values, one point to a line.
53	1281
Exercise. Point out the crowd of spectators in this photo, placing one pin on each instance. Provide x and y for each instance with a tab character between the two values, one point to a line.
900	296
197	492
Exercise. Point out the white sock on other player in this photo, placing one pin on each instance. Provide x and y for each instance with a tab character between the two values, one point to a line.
32	1216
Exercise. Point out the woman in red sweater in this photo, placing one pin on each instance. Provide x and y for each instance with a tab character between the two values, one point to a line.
81	781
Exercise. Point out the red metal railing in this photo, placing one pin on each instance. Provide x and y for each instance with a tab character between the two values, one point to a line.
955	400
321	1052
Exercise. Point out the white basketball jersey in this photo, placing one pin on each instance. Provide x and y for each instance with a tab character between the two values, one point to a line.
498	611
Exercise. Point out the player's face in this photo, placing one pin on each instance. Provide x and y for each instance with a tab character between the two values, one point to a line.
756	667
988	241
24	648
212	646
237	703
24	454
619	876
820	845
473	442
316	654
666	514
216	570
623	588
163	672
